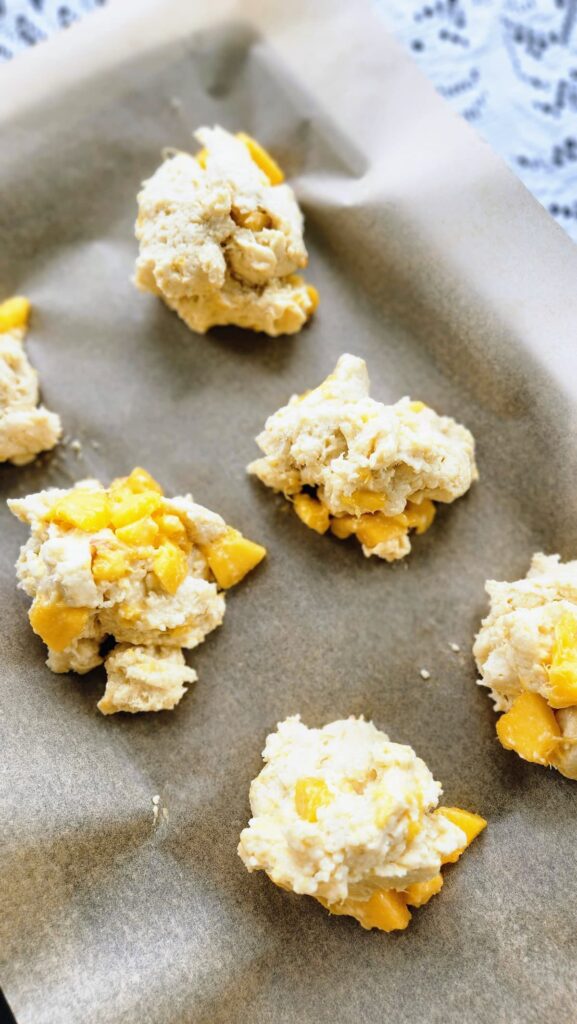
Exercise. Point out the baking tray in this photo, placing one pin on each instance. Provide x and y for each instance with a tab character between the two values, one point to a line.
436	266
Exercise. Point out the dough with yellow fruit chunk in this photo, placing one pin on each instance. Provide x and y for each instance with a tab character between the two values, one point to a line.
26	428
360	468
346	816
221	238
526	653
129	564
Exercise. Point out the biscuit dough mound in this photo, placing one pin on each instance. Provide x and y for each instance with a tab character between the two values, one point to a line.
25	427
526	653
130	565
357	467
344	815
221	238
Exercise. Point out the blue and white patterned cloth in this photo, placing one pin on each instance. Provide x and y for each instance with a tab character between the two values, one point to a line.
508	66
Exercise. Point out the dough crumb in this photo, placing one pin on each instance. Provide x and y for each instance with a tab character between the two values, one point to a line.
424	673
455	648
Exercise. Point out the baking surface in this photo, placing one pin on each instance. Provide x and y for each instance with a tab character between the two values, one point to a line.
108	915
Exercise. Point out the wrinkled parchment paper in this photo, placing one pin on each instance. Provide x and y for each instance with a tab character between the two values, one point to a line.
435	265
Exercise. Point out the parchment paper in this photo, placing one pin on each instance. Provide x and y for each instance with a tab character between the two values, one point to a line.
435	265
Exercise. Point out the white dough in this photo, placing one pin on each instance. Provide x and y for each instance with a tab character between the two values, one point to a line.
377	832
145	679
147	671
514	645
199	254
25	427
339	441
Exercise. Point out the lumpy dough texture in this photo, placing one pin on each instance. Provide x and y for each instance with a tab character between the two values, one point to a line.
221	242
344	815
130	564
367	469
26	428
526	653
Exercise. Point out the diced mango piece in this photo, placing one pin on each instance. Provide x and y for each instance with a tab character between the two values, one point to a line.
137	482
140	481
366	501
563	668
254	220
469	823
420	517
143	531
312	512
413	829
262	159
171	526
57	623
85	509
126	507
129	612
109	564
14	312
386	910
385	805
170	566
231	557
313	296
310	794
529	728
420	893
344	526
417	406
201	156
377	528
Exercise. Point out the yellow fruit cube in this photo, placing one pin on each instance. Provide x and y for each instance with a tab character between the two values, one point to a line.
57	623
143	531
126	507
262	159
86	510
312	512
366	501
310	794
231	557
420	517
201	157
420	893
344	526
129	612
377	528
386	910
14	312
141	481
529	728
385	806
109	565
254	220
417	406
313	296
469	823
413	829
170	566
171	526
563	668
